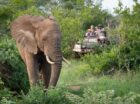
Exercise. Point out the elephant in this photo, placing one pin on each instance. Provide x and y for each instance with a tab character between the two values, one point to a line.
38	41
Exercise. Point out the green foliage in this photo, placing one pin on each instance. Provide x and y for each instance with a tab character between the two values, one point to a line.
94	16
74	18
108	97
1	84
6	97
5	15
103	97
23	7
117	89
17	78
104	61
81	75
32	11
5	94
60	96
126	54
14	8
129	30
36	95
70	24
74	22
122	84
8	52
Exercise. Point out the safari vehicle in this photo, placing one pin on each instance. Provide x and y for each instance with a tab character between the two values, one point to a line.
89	44
85	46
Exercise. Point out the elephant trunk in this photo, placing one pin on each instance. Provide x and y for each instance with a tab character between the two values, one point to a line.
54	58
55	70
55	55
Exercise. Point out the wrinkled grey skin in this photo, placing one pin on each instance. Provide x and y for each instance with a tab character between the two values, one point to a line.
37	37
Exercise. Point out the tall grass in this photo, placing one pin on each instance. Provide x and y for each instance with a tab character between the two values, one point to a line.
73	73
121	83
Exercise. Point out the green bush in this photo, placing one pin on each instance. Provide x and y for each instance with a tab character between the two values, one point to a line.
102	62
62	96
129	31
6	96
58	95
15	69
37	95
108	97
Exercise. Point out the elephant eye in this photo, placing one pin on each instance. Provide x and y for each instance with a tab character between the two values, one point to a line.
44	39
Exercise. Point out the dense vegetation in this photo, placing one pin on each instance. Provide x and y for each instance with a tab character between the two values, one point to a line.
117	89
121	57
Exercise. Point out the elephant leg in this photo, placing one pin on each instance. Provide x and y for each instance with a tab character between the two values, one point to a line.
55	72
32	68
46	72
21	51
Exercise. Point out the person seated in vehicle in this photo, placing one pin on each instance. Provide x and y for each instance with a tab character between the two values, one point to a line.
92	31
92	28
87	34
97	30
101	34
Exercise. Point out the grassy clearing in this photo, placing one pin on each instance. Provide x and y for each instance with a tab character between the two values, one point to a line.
71	74
74	76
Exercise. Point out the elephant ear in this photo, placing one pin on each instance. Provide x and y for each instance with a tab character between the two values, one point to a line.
27	40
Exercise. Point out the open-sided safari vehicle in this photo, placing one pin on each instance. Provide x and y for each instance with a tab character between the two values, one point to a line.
89	44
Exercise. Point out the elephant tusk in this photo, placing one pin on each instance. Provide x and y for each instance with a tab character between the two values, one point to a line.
65	60
49	61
